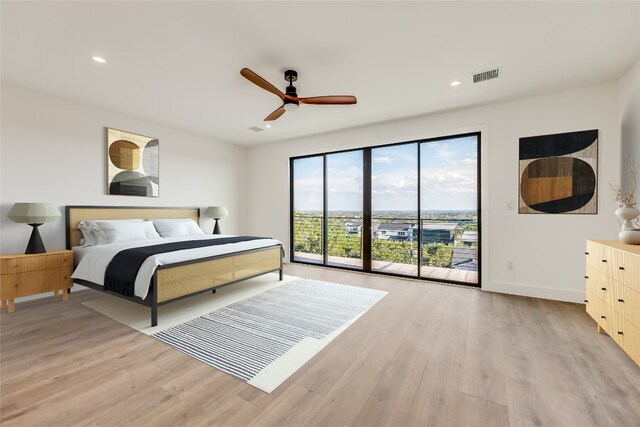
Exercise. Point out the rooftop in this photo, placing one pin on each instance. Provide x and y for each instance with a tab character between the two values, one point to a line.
394	226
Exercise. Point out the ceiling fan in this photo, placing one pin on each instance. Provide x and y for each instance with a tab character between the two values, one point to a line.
290	99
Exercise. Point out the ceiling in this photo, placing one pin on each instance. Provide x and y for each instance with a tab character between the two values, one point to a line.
178	63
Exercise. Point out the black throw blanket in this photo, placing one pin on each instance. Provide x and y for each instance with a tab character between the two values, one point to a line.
121	272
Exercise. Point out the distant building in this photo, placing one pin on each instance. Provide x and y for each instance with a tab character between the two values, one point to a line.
437	232
394	231
353	228
470	238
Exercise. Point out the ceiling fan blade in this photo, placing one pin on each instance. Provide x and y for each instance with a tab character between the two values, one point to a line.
259	81
275	115
332	99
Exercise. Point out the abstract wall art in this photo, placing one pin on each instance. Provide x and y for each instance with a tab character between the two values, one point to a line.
132	165
559	173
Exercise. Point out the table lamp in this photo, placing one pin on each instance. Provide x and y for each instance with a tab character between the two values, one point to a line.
217	213
34	214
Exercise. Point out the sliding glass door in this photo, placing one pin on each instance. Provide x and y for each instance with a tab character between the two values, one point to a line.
307	222
344	209
449	209
408	209
394	209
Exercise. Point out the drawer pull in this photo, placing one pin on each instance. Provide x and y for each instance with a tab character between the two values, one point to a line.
604	289
620	300
586	253
586	277
586	300
603	317
620	333
620	268
604	260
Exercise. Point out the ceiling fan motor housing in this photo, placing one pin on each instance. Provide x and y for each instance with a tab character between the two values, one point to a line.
291	76
290	104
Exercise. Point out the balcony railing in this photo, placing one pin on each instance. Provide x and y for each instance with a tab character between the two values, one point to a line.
447	244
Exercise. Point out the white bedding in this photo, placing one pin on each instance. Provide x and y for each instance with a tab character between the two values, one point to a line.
95	259
78	254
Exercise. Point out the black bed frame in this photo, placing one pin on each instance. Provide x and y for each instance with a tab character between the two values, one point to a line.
152	297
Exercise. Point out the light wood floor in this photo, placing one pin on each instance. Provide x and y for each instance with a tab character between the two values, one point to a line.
426	355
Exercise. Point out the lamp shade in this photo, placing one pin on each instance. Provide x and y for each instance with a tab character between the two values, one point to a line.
33	213
216	212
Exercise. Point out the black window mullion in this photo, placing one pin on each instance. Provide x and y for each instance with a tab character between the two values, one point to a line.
366	210
479	207
292	211
325	213
419	217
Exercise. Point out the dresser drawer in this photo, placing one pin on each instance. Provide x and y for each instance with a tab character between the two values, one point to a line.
601	285
628	337
605	317
627	303
33	282
46	261
628	270
609	261
594	254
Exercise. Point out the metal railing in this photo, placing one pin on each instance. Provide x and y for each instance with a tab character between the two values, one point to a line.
442	247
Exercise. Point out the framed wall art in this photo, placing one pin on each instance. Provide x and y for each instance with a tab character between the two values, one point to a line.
133	164
559	173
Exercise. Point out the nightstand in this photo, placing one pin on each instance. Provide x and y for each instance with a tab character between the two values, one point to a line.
22	275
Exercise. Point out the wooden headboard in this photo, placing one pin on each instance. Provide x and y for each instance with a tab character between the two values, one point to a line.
75	214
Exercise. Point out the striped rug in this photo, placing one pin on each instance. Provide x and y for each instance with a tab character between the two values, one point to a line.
263	339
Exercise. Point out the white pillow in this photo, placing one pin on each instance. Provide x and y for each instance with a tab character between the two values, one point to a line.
93	234
87	234
177	227
123	231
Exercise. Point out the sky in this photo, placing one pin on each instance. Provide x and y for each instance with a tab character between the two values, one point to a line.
448	178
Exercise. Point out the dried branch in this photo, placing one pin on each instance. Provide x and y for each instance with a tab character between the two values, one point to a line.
618	195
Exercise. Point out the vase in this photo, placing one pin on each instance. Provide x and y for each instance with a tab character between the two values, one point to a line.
630	236
627	212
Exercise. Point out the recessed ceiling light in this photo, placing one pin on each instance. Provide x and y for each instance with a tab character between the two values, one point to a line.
455	83
99	59
267	126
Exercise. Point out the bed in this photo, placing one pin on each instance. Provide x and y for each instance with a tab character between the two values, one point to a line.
176	280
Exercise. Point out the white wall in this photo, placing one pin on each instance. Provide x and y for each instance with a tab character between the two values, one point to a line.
547	250
54	150
629	117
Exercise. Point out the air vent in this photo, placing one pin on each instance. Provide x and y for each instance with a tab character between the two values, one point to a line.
486	75
256	129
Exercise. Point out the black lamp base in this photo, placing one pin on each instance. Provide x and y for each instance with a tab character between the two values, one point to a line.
35	245
216	228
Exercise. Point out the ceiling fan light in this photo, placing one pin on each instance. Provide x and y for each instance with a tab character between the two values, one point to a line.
291	106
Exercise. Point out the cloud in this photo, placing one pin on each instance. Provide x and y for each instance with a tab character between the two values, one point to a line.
459	177
395	183
345	185
384	160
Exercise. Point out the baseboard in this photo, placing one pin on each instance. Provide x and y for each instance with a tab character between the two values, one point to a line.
534	291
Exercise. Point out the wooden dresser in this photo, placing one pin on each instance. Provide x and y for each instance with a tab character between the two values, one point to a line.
22	275
613	291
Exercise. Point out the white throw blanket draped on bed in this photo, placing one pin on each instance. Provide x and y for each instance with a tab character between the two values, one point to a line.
95	259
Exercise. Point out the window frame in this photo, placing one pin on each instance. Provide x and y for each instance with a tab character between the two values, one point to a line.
366	225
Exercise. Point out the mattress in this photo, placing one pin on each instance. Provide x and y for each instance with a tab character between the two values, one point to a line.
93	260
